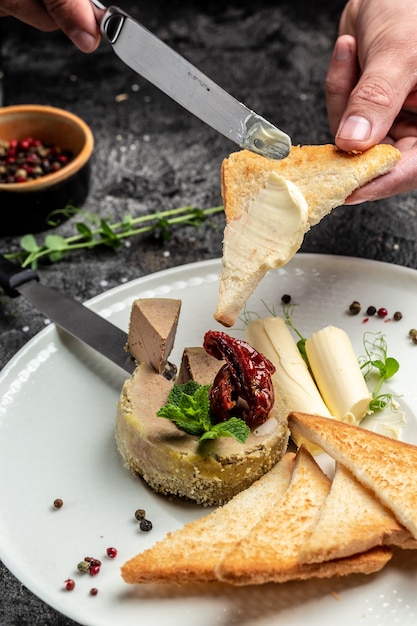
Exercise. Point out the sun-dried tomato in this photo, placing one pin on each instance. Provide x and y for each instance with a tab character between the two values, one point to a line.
246	375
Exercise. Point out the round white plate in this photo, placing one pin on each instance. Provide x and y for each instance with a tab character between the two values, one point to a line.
58	404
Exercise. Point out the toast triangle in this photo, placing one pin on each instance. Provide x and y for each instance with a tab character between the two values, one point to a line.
271	550
351	520
388	467
191	553
324	175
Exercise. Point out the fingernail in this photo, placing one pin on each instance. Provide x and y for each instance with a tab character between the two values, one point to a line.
83	40
342	51
355	127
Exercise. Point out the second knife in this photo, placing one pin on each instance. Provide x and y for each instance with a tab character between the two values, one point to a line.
150	57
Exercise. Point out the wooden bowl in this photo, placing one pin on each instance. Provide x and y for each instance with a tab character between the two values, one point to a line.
25	206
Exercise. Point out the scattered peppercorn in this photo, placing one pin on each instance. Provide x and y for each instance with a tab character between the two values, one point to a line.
355	307
414	339
27	159
92	561
69	584
371	310
285	299
111	553
145	525
413	332
140	514
93	591
58	503
94	570
382	312
398	316
83	566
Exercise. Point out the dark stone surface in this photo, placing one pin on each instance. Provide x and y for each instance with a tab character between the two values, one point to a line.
152	155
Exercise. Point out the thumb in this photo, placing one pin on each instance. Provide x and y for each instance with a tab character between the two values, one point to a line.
371	108
376	100
77	20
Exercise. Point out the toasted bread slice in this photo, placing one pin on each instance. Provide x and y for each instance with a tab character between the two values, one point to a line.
271	550
191	553
388	467
323	174
351	520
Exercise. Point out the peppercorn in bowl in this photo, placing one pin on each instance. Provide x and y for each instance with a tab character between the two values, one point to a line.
45	156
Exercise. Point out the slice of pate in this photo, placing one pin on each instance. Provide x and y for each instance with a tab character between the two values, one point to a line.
197	365
152	328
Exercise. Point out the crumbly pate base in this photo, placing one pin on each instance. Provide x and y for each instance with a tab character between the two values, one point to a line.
174	463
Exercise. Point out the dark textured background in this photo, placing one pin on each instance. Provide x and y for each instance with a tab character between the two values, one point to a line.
151	155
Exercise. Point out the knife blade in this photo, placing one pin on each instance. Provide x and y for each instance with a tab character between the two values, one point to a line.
69	314
150	57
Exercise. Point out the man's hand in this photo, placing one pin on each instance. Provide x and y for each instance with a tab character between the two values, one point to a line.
371	88
74	17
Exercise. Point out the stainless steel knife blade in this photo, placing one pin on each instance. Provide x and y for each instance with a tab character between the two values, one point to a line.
150	57
70	315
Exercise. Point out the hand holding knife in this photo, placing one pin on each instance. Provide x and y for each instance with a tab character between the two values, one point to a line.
180	80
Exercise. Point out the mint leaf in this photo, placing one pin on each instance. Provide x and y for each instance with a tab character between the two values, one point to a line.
177	391
234	427
188	406
180	419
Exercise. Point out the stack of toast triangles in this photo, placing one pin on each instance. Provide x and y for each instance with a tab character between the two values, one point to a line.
296	523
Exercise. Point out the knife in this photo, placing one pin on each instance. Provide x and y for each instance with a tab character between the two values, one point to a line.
150	57
70	315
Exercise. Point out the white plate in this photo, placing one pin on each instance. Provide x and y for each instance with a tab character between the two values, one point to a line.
56	441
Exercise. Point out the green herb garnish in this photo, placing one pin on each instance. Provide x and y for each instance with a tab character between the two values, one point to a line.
377	361
97	231
288	309
188	406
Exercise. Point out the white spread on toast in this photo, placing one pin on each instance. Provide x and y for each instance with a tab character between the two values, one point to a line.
272	229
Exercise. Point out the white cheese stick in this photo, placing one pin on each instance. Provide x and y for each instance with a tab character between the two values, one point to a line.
295	389
337	374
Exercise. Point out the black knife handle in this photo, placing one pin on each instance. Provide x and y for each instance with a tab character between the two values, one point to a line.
12	276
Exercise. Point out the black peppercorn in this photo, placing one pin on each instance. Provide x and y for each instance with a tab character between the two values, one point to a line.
286	299
371	310
145	525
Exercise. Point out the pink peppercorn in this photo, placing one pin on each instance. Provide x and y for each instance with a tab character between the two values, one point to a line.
94	570
111	553
382	312
69	584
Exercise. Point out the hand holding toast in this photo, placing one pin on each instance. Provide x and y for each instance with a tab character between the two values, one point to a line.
371	88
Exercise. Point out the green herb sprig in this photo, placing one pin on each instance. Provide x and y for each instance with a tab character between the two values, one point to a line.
94	231
188	406
288	310
376	360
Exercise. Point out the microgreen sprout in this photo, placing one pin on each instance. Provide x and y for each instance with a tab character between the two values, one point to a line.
376	360
249	316
95	231
288	310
